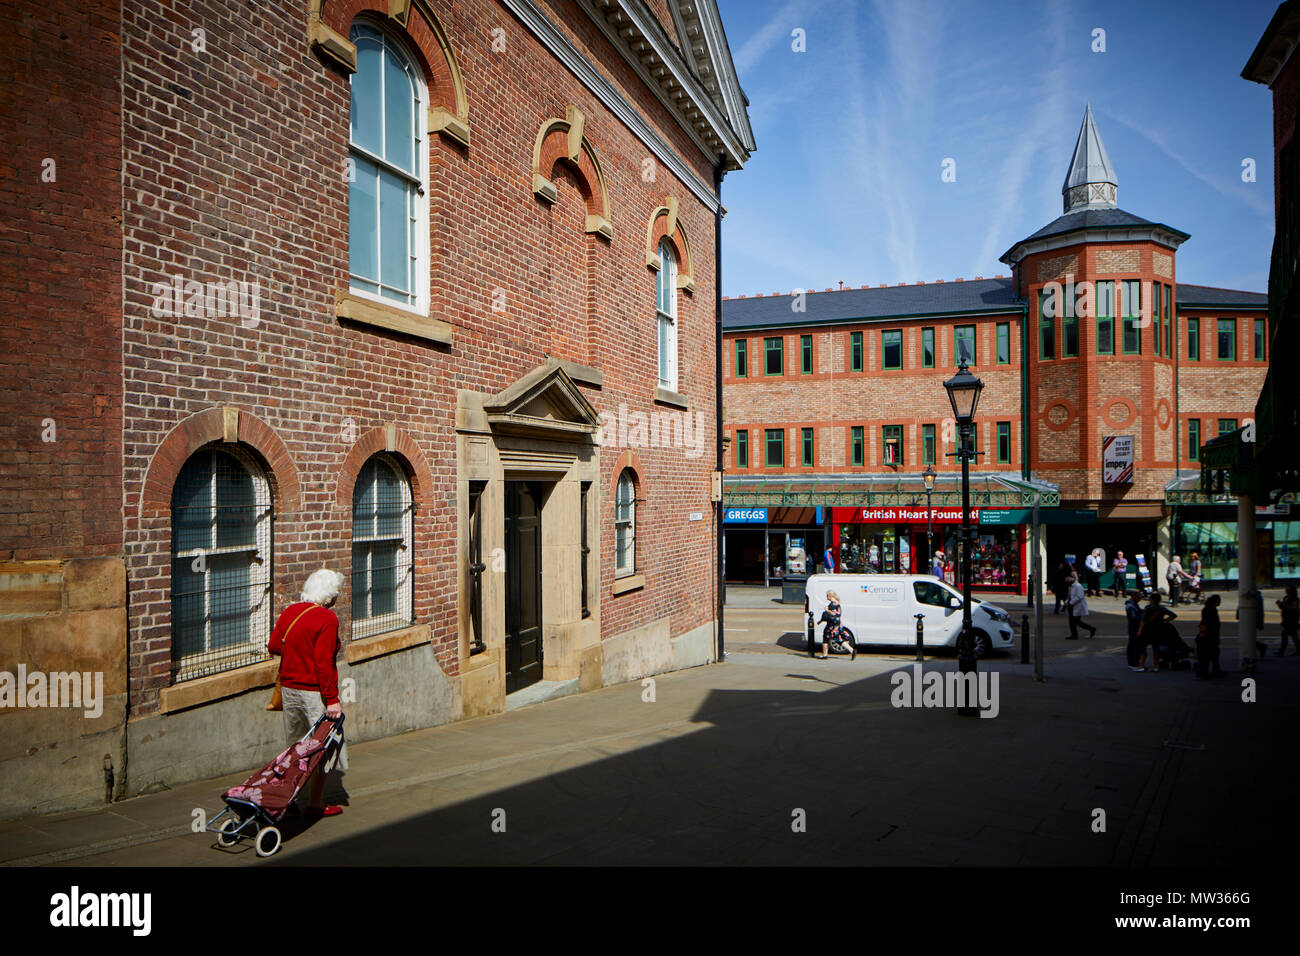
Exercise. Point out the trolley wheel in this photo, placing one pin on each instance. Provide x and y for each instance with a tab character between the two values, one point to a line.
226	836
268	841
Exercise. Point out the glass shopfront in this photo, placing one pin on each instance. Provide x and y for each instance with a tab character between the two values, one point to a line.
1277	559
900	540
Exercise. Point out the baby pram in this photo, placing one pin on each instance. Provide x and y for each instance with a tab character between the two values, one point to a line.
1171	650
258	805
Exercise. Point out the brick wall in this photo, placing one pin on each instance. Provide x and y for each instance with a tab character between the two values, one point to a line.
60	331
241	177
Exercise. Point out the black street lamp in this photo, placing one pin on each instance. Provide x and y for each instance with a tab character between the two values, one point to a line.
964	395
928	477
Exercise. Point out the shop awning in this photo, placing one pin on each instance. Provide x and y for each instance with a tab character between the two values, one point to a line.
1187	489
987	490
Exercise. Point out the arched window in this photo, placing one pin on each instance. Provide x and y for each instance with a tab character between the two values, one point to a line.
387	192
625	525
666	306
221	563
381	548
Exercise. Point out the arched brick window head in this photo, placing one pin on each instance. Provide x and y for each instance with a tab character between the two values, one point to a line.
562	140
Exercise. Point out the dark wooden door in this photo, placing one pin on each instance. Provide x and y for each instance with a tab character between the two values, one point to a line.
523	538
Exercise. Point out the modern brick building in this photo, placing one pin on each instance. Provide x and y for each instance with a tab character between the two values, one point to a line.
1092	345
419	291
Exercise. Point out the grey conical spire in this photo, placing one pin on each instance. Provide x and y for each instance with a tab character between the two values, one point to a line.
1091	182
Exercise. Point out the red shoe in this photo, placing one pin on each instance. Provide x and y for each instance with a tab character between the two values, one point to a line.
331	811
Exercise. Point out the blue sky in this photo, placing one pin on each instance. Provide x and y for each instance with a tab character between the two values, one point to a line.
852	134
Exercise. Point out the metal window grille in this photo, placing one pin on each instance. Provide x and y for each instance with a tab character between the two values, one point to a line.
625	526
221	564
381	549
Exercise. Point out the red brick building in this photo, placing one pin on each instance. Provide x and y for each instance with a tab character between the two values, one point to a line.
419	291
836	399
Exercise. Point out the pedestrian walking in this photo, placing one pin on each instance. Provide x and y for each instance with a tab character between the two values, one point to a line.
936	565
1092	569
1175	576
1077	605
1290	605
1133	617
306	639
1119	573
1207	640
1155	619
1061	588
1194	569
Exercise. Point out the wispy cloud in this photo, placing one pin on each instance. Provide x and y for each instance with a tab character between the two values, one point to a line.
1052	103
794	14
1224	185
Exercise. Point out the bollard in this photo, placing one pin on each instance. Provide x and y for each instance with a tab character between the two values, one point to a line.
920	637
108	778
1024	638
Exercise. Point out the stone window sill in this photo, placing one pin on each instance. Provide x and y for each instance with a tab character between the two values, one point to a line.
633	582
363	650
666	396
205	690
395	319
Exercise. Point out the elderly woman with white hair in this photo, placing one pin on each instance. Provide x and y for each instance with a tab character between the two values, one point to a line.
306	639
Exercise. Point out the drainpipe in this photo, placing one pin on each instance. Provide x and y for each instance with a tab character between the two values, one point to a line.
718	172
1178	423
1024	391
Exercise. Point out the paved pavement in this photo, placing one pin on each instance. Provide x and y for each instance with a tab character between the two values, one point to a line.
727	758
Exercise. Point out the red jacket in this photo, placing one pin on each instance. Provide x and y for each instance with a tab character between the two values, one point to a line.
307	658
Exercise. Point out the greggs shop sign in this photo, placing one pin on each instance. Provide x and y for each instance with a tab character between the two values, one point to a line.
906	515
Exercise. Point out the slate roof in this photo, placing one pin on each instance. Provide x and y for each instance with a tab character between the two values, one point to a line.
849	305
1191	295
914	301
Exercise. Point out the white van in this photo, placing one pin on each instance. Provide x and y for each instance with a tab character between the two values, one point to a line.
882	609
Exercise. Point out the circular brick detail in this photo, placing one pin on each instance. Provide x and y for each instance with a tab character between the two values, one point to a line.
1164	413
1058	416
1120	412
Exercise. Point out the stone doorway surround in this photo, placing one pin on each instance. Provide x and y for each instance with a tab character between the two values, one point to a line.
543	429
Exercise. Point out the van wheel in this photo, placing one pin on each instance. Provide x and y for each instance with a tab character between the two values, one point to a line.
983	646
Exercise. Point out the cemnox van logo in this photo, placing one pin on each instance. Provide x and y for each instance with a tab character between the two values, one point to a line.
82	689
76	909
952	689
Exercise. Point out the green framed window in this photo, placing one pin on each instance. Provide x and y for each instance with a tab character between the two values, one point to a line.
742	448
805	355
774	356
1227	340
927	347
1004	443
974	440
1259	340
1227	425
857	442
774	441
1155	316
1046	325
1070	336
1104	305
891	349
927	444
1193	340
963	343
1169	320
855	352
742	358
1132	307
1193	439
807	447
1004	343
891	444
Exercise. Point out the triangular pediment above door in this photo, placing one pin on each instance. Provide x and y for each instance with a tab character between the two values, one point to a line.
545	403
